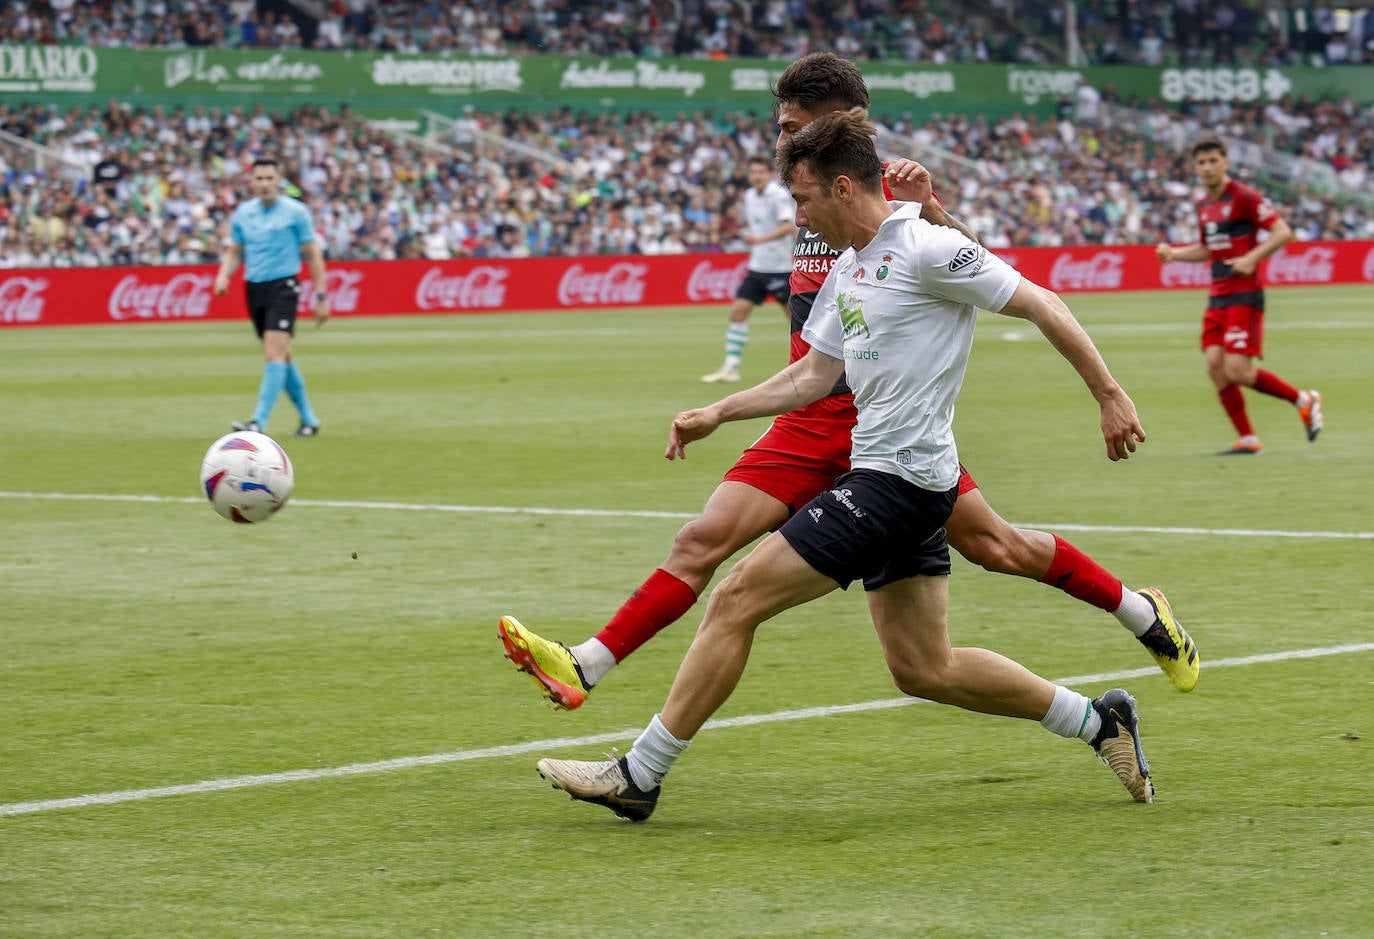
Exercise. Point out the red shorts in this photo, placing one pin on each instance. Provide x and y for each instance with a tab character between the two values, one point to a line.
796	459
799	458
1237	329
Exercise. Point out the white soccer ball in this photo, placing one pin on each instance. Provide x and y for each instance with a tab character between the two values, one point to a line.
246	476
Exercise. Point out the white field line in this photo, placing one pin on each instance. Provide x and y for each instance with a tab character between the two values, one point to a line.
632	513
558	743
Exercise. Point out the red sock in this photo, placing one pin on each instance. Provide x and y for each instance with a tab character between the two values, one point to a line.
659	602
1267	383
1233	400
1082	578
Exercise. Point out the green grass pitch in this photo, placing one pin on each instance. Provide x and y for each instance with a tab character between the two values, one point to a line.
145	643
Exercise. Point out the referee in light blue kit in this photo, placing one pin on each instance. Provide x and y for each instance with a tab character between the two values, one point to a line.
270	233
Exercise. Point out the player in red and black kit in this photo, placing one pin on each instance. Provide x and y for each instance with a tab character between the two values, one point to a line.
1229	219
800	456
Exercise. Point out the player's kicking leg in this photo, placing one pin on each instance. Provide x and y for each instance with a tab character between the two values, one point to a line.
988	540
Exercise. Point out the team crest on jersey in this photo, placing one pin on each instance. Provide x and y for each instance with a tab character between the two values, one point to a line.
969	255
885	268
852	315
1226	211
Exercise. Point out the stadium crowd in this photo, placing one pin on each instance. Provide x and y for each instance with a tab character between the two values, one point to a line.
1108	31
161	183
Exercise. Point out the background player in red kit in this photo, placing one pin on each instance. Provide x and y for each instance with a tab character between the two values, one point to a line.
803	452
1230	216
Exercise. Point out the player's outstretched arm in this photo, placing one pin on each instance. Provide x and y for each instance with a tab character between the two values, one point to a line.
1121	427
808	379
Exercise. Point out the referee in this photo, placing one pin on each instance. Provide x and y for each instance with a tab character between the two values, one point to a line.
270	233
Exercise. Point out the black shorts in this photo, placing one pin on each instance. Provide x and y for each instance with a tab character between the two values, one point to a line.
272	304
874	527
758	287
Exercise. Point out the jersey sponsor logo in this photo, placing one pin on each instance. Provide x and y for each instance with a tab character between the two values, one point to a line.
482	288
22	300
184	296
852	315
1315	265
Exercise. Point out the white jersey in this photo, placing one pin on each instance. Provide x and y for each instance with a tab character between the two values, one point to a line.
901	314
764	212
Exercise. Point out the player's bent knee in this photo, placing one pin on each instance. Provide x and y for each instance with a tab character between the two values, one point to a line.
701	547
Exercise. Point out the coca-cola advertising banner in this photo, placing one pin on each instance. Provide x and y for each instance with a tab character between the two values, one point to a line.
63	296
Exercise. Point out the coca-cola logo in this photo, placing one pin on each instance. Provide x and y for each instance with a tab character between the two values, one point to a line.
482	288
1185	274
1102	271
620	283
708	282
1314	265
184	296
340	288
1369	265
22	300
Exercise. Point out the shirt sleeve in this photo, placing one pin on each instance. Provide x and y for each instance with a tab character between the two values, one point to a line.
1261	210
951	266
305	232
784	208
236	229
823	330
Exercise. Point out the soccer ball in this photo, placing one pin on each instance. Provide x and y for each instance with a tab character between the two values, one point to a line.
246	476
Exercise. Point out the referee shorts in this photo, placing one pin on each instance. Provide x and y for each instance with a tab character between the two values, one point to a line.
272	304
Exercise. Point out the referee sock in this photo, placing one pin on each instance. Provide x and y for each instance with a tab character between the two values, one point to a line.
273	380
736	338
295	390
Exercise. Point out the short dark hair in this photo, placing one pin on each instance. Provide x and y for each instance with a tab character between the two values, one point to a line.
1206	143
820	82
760	158
836	144
267	161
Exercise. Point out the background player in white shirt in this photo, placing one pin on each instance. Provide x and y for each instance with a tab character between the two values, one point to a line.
896	317
766	210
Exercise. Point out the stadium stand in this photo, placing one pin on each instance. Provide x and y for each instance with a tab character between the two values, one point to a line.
155	186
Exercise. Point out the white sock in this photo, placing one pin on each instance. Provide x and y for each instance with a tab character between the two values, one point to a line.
594	659
653	754
1135	612
1071	715
1304	399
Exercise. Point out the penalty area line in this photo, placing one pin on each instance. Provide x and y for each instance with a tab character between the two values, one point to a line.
558	743
636	513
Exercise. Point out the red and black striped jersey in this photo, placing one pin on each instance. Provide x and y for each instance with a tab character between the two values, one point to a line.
1229	225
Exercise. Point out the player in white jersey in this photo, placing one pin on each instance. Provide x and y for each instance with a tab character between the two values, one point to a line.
769	232
896	317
